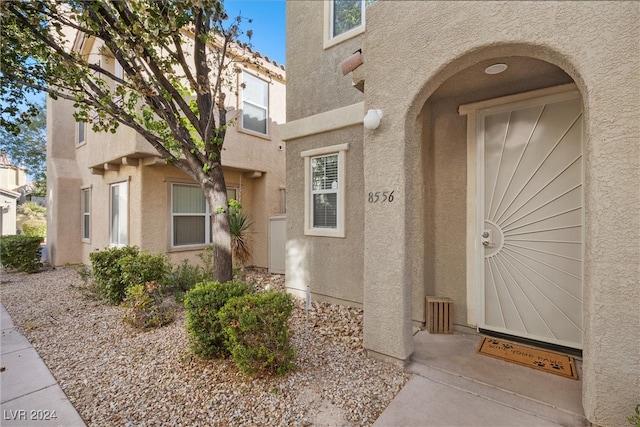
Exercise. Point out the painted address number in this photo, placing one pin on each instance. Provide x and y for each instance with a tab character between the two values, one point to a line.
380	196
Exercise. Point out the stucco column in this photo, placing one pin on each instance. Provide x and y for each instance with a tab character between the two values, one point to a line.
387	294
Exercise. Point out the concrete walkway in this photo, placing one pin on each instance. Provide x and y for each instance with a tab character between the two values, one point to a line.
29	394
453	385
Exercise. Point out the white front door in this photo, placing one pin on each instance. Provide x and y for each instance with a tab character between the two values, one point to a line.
530	219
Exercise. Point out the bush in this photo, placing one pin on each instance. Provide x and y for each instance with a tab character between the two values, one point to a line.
202	304
107	272
257	332
144	307
138	269
21	252
32	210
35	228
183	277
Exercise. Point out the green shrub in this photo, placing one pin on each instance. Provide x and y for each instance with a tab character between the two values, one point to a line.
635	420
21	252
257	332
35	228
183	277
107	271
202	304
141	268
144	307
207	257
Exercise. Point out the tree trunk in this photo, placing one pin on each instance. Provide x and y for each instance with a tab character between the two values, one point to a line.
216	193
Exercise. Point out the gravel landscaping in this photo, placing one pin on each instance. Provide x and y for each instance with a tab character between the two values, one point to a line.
117	375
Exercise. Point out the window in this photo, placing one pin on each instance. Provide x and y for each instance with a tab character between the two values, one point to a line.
119	201
190	219
119	73
324	191
345	19
190	215
81	133
86	214
255	104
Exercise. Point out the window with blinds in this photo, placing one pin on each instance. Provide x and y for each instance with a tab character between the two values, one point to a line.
190	214
324	190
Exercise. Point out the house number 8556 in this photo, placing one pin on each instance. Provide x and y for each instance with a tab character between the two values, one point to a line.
380	196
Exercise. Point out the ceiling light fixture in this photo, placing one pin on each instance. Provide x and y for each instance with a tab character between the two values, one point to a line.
495	68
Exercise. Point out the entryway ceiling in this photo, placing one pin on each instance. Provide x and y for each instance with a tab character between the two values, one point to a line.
523	74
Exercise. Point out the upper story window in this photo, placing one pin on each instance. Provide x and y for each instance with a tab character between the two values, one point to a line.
325	191
345	19
255	104
81	133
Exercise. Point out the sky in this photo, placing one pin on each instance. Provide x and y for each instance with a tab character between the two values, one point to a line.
268	25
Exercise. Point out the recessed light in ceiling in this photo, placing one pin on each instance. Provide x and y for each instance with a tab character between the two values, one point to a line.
495	68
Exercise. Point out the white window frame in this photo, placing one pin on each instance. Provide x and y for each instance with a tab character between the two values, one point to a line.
118	71
86	214
206	215
340	150
119	237
251	76
81	133
329	38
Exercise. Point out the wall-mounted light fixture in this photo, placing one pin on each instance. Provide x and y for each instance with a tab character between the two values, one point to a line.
372	119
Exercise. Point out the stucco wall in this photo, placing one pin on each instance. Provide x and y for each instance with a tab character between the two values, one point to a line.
331	266
318	84
597	44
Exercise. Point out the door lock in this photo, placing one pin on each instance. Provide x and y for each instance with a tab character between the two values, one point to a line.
486	239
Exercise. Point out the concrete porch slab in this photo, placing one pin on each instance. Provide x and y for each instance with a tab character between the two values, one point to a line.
453	385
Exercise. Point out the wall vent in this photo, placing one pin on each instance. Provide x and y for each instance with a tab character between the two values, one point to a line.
439	315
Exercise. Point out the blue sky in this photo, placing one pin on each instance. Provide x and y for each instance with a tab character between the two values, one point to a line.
268	25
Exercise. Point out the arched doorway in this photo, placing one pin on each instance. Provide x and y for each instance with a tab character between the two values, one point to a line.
491	286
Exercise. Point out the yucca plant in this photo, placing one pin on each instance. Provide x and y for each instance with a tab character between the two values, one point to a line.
239	224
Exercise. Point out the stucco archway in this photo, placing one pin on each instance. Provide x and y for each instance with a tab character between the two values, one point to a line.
440	136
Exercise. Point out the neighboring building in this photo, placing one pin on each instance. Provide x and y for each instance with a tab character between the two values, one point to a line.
12	177
114	189
8	212
514	193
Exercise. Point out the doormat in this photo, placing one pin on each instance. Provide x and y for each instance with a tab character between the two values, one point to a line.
543	360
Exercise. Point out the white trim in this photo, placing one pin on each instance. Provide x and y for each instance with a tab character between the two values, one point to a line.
86	212
339	231
324	122
123	211
265	107
329	40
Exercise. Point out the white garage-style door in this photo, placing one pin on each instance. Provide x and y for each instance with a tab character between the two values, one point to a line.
530	211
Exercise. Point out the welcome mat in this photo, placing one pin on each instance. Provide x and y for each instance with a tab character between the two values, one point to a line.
548	361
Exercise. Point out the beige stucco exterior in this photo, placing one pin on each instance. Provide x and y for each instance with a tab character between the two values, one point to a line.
254	165
422	62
